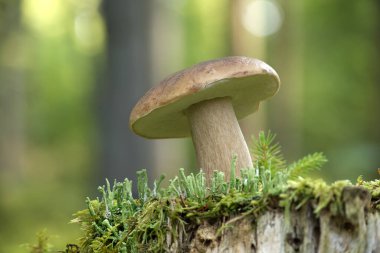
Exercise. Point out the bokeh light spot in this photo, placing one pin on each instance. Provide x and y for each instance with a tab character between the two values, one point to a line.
89	32
262	17
45	16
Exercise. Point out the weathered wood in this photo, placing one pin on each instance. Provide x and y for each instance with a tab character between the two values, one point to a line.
302	231
373	233
353	229
348	233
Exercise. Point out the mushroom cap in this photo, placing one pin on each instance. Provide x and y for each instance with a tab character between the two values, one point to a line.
161	112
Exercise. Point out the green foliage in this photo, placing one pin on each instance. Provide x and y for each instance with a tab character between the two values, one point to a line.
374	188
268	156
42	245
306	165
301	191
118	222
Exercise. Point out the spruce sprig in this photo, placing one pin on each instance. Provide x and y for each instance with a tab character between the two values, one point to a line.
306	165
267	154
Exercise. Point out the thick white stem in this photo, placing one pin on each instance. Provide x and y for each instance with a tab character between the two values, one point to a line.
217	136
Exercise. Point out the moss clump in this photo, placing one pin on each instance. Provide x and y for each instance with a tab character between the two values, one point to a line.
374	188
118	222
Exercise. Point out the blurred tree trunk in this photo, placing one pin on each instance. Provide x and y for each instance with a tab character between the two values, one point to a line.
11	89
127	78
245	43
375	71
285	53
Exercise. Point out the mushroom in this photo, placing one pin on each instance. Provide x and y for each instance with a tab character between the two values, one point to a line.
205	101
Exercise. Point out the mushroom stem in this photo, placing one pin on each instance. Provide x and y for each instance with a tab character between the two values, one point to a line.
217	136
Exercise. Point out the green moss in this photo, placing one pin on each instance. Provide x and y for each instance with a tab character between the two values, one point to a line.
42	245
374	188
118	222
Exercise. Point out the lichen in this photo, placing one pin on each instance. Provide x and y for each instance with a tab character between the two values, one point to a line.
119	222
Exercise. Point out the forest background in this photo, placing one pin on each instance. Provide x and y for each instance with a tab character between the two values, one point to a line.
71	71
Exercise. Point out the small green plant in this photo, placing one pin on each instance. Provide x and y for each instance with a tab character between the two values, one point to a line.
373	187
268	156
42	245
119	222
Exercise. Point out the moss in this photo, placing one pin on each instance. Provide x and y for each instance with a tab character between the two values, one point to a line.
118	222
374	188
118	225
42	245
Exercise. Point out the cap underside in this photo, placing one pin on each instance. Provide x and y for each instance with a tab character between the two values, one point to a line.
170	121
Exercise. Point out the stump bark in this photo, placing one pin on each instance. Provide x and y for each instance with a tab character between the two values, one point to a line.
356	229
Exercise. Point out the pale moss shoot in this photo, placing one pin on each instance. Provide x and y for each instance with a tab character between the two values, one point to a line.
118	222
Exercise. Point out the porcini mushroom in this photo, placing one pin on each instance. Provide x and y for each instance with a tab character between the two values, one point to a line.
205	101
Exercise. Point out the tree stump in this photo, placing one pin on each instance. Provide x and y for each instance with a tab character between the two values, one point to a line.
356	229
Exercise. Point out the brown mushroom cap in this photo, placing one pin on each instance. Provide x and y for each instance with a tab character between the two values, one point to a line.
160	113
